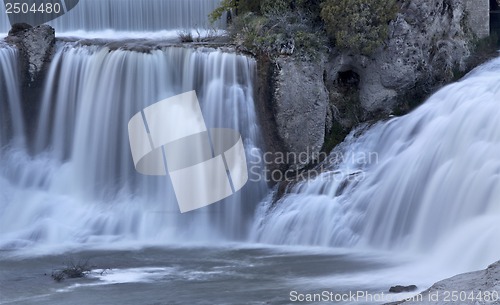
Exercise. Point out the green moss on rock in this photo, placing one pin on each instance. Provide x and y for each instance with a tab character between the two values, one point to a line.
360	26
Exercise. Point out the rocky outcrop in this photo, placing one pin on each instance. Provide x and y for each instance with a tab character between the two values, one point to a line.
36	46
474	288
293	104
428	46
428	42
478	15
301	103
400	289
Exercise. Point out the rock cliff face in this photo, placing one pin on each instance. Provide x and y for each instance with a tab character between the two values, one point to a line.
429	42
301	108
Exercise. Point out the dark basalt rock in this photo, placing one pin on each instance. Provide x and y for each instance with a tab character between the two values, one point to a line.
18	28
400	289
35	45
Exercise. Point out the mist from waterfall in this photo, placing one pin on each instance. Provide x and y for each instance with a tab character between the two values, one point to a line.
433	187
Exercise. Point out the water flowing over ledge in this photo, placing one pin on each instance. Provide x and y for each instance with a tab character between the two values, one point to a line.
80	185
11	126
433	185
131	16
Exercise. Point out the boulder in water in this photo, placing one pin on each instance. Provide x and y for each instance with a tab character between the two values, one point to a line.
400	289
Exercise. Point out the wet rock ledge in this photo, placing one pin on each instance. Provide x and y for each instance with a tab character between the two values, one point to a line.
35	45
479	287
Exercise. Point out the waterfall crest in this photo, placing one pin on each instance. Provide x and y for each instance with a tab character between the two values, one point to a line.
131	16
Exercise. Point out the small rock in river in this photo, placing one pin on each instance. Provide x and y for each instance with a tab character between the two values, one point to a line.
399	289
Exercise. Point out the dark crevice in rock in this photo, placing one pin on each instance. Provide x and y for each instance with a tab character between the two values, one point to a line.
348	78
266	112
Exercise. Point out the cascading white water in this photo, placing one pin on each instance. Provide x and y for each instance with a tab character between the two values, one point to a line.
80	186
428	181
131	15
11	119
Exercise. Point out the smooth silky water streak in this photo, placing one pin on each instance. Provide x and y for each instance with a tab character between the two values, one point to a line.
84	187
11	116
204	167
131	16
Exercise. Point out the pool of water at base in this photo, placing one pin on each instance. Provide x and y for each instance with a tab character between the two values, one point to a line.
222	275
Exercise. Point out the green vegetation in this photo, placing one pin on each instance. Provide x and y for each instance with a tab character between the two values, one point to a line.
302	27
225	6
235	7
358	25
335	137
286	34
276	27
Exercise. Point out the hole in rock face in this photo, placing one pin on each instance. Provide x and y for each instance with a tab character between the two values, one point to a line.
345	97
348	79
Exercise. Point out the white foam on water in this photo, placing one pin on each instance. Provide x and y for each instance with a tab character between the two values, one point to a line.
121	276
196	34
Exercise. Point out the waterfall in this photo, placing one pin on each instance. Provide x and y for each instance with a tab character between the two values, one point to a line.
131	15
11	119
428	182
80	185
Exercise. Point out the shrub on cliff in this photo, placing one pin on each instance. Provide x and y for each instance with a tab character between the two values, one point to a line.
235	6
275	27
275	7
358	25
278	26
225	5
275	35
311	8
